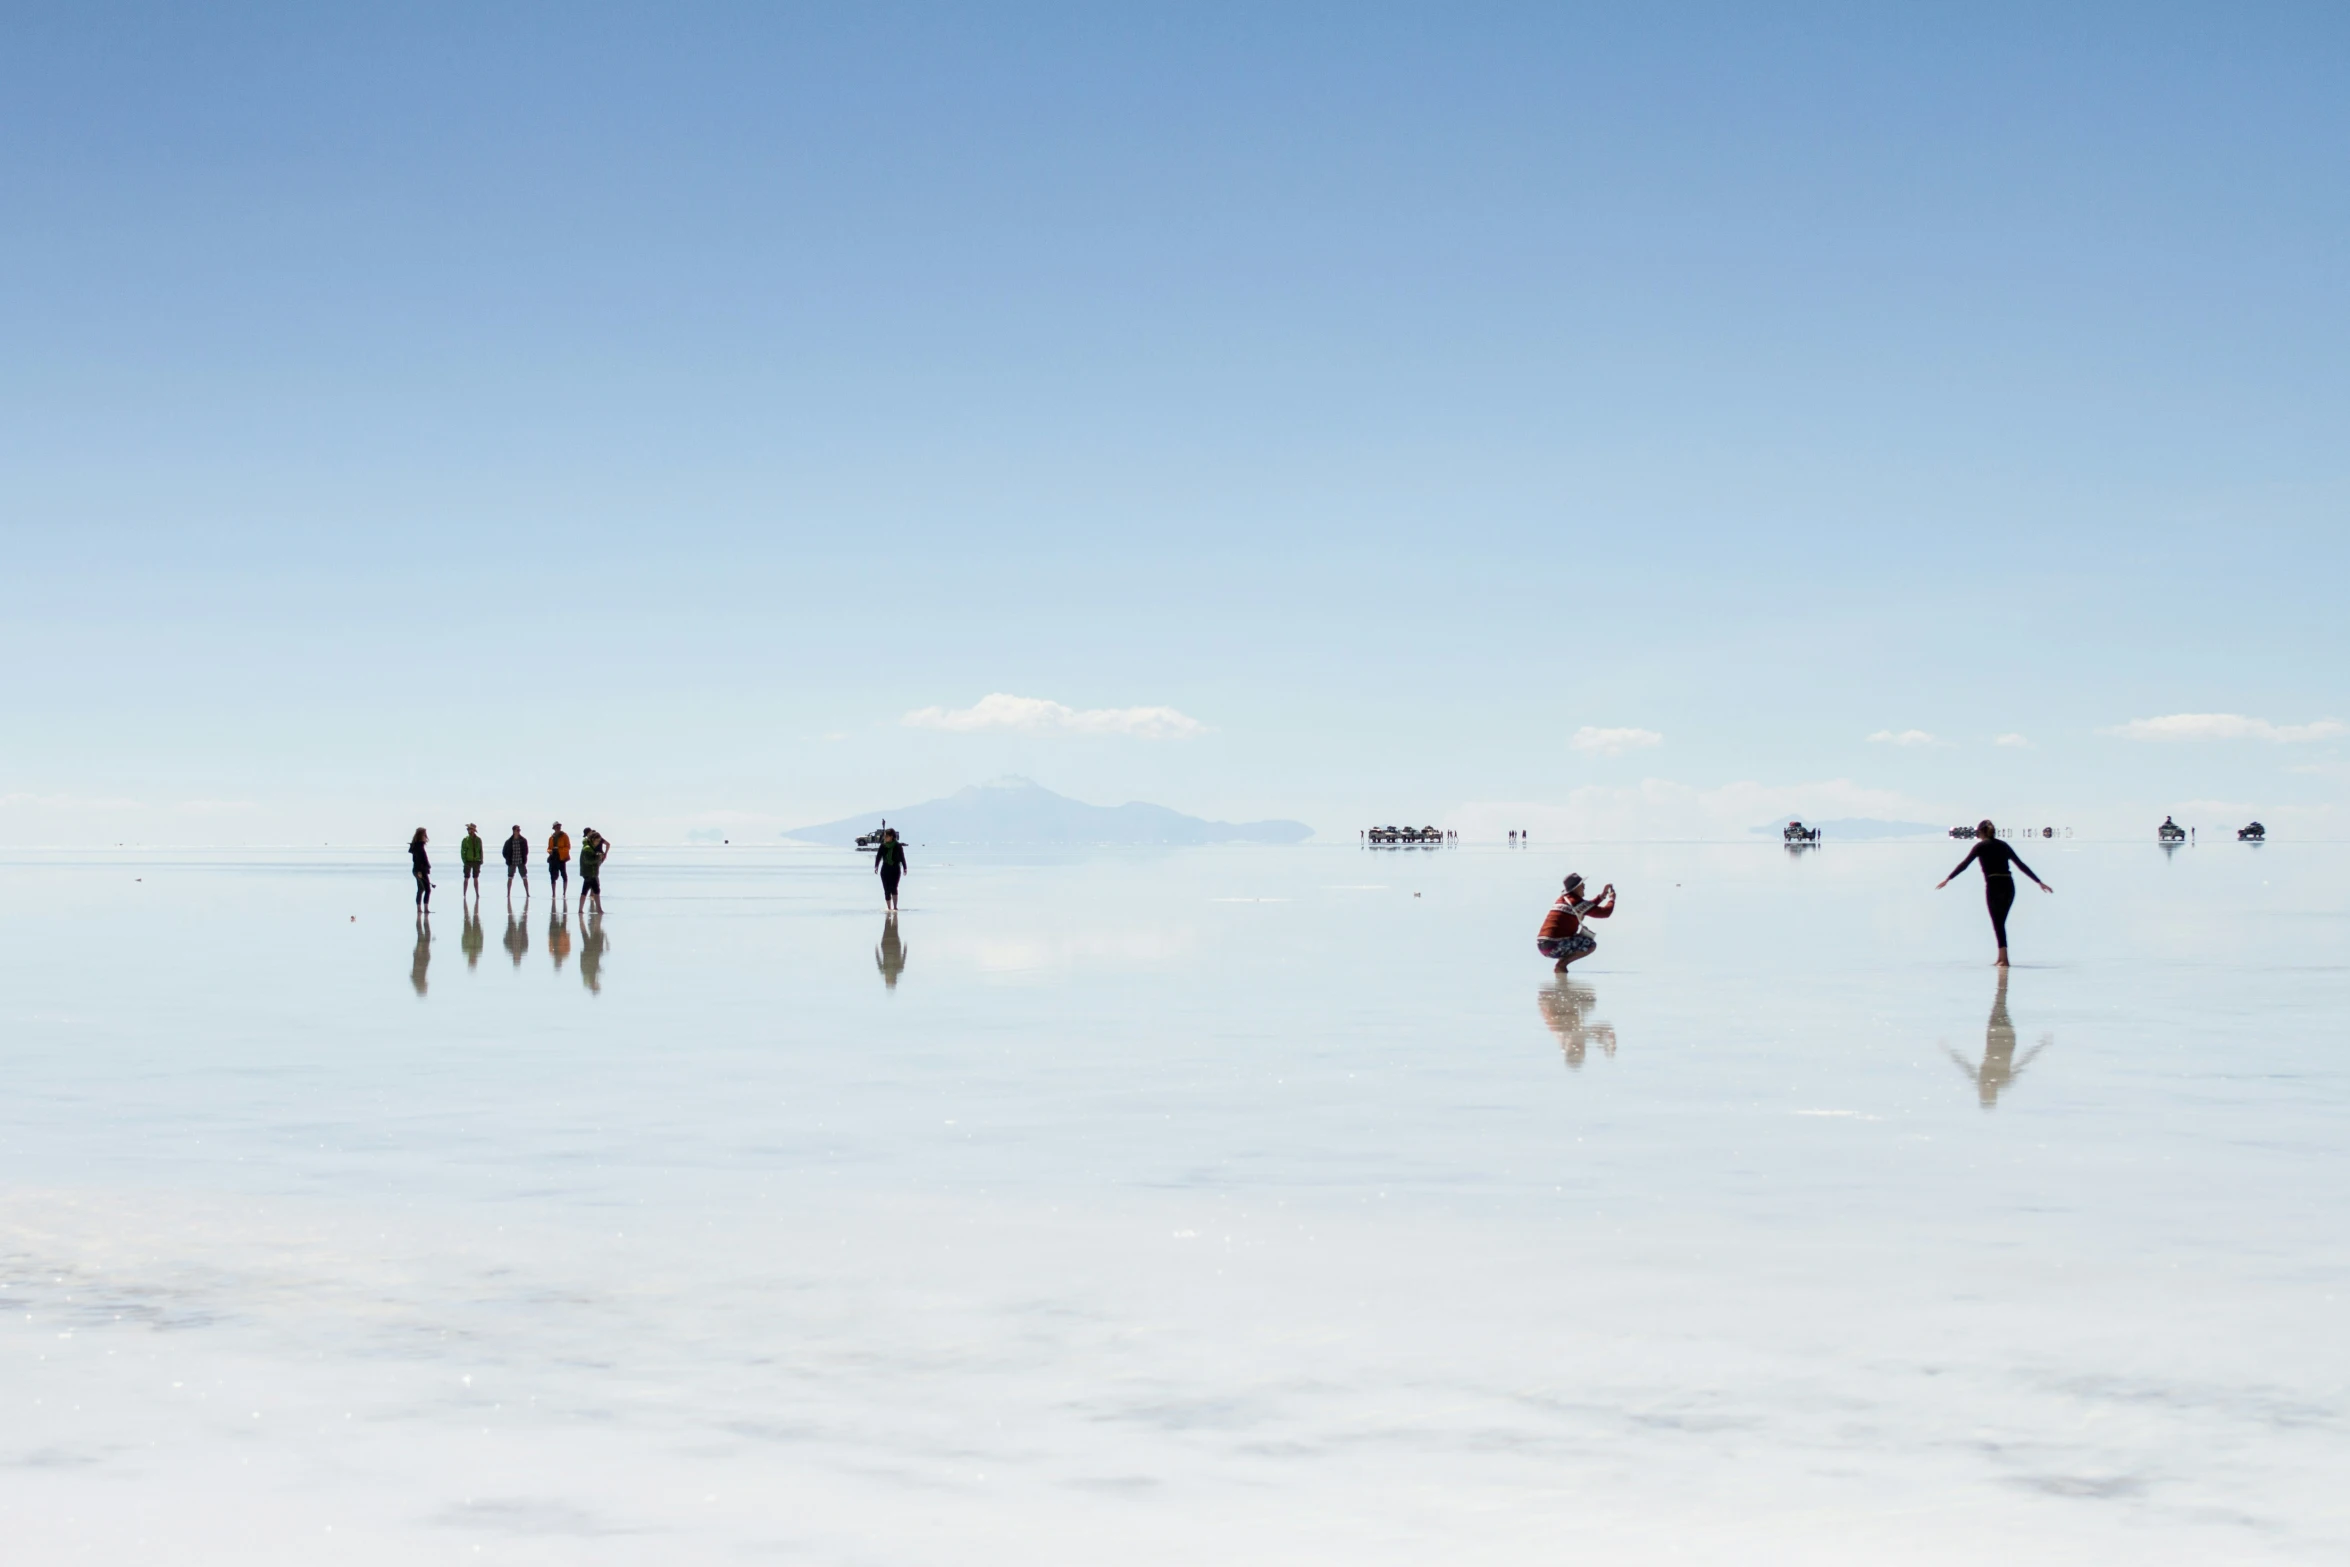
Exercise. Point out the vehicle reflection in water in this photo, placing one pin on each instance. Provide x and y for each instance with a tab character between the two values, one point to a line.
2000	1066
517	938
591	951
558	938
423	956
890	956
470	938
1565	1006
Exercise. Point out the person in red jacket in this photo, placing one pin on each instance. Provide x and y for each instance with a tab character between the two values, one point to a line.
1562	935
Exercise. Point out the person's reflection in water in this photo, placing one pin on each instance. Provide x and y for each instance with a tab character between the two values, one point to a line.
1564	1005
470	939
890	956
423	957
517	938
558	937
591	950
2000	1067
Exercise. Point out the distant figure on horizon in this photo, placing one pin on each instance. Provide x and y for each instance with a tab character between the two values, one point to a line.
1562	935
517	852
889	860
1513	837
469	856
594	850
420	864
558	861
1998	884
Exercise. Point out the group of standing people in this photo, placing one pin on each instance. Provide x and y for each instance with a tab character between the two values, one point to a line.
594	850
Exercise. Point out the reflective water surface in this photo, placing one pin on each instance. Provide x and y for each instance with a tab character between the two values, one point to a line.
1251	1205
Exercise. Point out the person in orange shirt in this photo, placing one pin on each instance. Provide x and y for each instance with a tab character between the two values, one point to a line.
559	860
1562	935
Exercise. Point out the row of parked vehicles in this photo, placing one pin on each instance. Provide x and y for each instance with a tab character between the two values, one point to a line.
1392	835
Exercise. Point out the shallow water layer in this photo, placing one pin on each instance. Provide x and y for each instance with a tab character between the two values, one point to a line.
1254	1205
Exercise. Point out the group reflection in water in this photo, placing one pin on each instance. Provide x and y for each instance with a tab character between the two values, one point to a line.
593	946
423	956
1566	1008
1999	1066
890	956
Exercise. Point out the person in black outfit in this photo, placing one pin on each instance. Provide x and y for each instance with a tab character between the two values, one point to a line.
889	858
1998	881
517	863
419	863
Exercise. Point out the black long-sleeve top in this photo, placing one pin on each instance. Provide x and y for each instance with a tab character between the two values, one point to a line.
417	860
1996	857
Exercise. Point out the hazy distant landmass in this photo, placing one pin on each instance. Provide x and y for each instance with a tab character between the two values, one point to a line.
1856	827
1018	811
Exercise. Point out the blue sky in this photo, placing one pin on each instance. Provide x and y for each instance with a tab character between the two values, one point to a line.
633	416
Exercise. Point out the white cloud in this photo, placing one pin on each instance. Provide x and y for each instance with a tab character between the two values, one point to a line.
2014	742
2223	726
1036	715
1614	742
1903	737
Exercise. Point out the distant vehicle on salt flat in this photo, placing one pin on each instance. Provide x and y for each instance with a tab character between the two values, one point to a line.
2252	834
1796	834
2171	832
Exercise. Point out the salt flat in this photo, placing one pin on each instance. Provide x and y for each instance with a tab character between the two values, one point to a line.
1243	1205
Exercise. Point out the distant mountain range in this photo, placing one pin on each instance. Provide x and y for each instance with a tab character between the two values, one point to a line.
1018	811
1856	827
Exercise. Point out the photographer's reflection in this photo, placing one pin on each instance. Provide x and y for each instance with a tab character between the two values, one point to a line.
2000	1067
591	950
517	938
1564	1006
423	955
558	937
890	956
470	937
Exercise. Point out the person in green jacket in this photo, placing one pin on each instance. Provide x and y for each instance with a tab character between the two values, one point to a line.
469	853
594	850
889	862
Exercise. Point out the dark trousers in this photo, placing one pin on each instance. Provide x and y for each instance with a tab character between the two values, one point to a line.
1999	897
